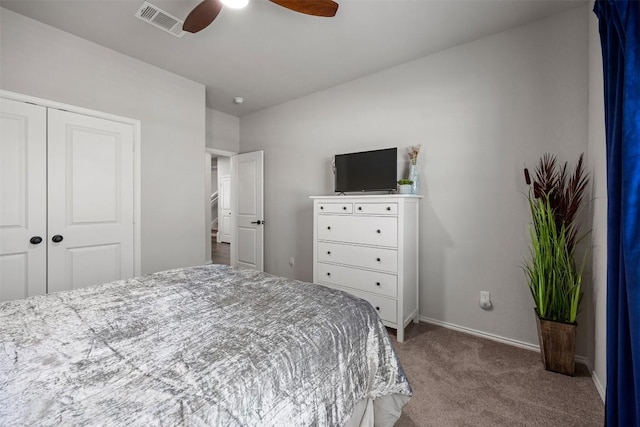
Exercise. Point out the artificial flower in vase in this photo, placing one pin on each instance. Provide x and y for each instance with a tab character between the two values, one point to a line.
414	175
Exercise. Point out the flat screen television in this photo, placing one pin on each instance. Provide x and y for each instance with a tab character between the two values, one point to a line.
375	170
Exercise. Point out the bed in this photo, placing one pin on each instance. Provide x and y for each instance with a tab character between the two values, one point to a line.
207	345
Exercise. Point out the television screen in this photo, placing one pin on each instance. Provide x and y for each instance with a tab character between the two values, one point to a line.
367	171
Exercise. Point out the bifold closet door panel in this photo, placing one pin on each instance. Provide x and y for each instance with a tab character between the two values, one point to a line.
23	198
90	201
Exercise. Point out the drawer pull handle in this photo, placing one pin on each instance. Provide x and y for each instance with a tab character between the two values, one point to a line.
378	259
359	208
388	208
328	274
378	231
328	252
329	228
377	283
377	308
344	208
321	208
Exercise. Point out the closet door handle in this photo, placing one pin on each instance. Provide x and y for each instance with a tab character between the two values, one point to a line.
57	238
35	240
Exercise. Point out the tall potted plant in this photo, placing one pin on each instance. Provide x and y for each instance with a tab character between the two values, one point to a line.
554	278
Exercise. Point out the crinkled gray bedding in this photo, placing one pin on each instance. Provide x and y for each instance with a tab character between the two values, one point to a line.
208	345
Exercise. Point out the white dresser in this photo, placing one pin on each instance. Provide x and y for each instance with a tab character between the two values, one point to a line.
368	246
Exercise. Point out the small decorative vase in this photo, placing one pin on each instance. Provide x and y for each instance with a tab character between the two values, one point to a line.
414	176
405	188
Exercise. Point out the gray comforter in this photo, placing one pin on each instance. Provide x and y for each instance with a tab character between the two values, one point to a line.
209	345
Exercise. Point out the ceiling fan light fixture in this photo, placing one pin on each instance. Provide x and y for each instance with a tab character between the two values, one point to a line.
235	4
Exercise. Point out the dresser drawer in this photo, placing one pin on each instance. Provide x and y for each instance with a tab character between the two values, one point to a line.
353	278
385	307
365	230
376	208
346	208
359	256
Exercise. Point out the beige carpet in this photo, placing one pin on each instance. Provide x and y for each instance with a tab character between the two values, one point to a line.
462	380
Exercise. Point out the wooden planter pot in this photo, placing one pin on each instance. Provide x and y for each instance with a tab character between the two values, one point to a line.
557	345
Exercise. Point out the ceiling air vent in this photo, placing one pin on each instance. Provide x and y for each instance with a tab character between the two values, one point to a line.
161	19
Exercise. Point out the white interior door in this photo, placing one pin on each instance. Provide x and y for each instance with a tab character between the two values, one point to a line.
247	210
90	202
23	200
224	201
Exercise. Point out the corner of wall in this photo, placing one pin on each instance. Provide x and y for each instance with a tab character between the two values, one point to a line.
596	157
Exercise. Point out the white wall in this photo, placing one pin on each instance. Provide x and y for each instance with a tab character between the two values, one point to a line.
481	111
223	131
41	61
224	166
597	163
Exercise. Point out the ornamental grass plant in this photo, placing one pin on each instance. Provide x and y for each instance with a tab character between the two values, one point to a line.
555	199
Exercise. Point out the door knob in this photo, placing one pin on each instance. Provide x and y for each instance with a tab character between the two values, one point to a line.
35	240
57	238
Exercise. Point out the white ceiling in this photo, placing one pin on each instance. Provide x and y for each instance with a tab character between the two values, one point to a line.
269	55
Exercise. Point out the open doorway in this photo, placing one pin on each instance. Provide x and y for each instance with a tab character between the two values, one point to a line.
221	210
218	210
234	209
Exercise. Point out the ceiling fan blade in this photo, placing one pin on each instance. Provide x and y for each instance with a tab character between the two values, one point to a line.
326	8
202	15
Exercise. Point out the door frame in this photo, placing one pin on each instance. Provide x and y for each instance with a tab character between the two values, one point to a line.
136	124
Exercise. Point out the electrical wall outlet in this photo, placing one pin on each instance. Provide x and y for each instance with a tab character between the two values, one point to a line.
485	300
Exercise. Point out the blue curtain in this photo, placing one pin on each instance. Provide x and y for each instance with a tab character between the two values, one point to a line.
619	23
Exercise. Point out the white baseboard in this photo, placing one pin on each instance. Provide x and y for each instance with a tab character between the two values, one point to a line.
599	387
482	334
498	338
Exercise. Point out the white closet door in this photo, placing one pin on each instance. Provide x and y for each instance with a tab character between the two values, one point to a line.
23	198
90	203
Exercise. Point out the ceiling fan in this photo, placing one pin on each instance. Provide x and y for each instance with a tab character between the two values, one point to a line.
204	13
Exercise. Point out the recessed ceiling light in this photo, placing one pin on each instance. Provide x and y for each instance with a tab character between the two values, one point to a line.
235	4
238	100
